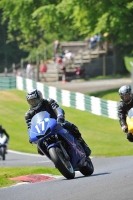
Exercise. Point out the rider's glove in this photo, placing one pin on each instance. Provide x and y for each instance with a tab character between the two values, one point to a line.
30	141
28	121
124	128
29	114
60	120
29	125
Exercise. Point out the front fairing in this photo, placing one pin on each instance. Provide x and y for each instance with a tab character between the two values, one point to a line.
129	120
40	124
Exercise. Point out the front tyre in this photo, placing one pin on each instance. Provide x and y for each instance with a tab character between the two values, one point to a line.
88	169
63	165
3	152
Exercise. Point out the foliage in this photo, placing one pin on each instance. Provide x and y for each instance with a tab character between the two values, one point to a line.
129	63
29	27
9	52
37	23
34	24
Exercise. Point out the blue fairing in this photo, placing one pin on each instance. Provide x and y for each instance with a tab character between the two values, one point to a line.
43	125
39	125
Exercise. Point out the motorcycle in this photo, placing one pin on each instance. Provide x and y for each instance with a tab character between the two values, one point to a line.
129	120
3	147
59	145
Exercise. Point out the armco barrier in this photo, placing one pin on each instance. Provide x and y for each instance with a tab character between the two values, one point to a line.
71	99
7	83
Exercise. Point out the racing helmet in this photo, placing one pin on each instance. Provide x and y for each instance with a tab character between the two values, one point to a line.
34	99
125	93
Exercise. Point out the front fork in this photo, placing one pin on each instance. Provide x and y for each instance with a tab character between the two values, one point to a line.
58	143
62	148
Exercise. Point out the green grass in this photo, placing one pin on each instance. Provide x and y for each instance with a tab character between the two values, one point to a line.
127	60
109	77
103	135
113	76
107	95
127	75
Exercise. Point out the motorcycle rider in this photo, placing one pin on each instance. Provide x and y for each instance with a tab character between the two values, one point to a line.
3	132
125	104
37	103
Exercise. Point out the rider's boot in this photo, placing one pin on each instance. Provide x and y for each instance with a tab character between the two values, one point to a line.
80	139
85	146
6	150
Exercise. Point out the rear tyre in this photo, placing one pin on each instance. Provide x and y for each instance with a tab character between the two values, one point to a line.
63	165
88	169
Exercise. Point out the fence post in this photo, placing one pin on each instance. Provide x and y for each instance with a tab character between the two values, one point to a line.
22	67
5	71
13	69
104	65
37	66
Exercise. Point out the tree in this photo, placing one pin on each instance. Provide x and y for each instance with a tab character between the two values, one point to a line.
9	52
34	24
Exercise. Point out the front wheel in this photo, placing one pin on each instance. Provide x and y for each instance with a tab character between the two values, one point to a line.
63	165
2	153
88	169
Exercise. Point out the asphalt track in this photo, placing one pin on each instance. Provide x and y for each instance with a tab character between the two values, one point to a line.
91	86
17	159
112	180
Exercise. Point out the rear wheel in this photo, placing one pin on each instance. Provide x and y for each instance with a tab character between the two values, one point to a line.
61	163
88	169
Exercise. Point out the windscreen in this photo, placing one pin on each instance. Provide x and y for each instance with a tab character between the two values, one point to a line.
39	117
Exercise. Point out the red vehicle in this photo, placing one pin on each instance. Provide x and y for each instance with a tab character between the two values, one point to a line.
76	72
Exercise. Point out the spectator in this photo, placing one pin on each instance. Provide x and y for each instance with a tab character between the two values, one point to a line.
29	69
59	58
99	42
93	41
68	56
42	68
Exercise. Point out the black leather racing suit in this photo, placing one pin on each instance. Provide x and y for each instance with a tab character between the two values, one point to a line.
123	108
51	106
3	132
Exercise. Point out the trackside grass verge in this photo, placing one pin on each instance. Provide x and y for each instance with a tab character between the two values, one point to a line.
11	172
107	95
